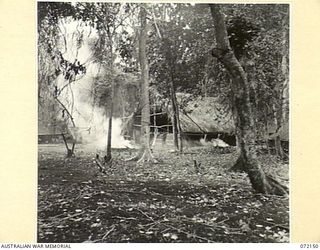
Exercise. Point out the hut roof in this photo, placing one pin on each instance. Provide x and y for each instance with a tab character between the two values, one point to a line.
206	115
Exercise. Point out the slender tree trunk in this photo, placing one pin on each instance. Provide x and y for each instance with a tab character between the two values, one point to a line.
145	103
109	136
174	131
180	134
252	89
278	123
282	116
70	152
176	125
280	109
177	138
266	136
285	92
261	183
285	67
108	156
175	107
155	129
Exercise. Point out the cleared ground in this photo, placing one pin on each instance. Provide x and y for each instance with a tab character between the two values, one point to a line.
165	202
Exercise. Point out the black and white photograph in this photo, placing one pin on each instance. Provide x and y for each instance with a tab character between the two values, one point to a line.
163	122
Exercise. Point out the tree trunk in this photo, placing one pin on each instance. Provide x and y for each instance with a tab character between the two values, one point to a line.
260	182
109	136
278	123
282	111
108	156
174	131
70	152
155	129
266	130
175	108
179	126
176	125
176	120
145	103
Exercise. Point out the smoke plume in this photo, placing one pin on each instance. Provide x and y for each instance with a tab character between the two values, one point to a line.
91	121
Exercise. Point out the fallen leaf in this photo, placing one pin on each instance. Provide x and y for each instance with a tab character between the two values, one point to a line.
96	224
174	236
61	226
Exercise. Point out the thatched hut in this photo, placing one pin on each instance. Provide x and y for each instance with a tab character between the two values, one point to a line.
200	118
207	118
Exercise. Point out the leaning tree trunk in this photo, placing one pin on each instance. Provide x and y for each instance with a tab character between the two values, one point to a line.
145	153
70	151
261	183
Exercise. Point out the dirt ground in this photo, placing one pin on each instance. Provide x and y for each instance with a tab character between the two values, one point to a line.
165	202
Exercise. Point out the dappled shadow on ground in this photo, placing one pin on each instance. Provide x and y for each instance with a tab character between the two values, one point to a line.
166	202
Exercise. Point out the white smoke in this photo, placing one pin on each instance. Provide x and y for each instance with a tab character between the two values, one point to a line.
214	143
91	121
